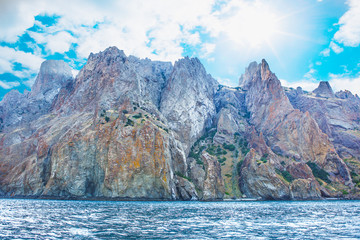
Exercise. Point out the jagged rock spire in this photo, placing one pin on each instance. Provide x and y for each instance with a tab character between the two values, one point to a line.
324	90
53	74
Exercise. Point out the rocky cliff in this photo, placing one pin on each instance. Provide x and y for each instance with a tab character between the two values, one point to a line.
129	128
337	115
287	137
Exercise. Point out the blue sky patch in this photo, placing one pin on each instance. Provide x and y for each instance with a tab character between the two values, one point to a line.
47	20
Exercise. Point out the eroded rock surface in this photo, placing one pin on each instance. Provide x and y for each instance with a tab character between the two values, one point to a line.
291	135
187	100
21	109
337	115
130	128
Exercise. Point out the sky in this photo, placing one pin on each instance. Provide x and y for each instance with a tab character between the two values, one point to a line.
304	41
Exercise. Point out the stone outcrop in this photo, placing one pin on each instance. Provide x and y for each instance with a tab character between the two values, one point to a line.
17	109
288	131
110	78
305	189
51	78
260	180
324	90
213	188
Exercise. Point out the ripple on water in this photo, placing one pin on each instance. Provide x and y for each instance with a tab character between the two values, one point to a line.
47	219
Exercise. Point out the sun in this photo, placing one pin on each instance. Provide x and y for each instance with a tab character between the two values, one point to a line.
261	27
253	25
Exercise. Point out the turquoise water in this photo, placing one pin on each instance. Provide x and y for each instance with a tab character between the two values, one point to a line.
48	219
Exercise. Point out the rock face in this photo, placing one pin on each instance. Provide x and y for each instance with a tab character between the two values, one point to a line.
187	100
337	115
17	109
304	189
324	90
282	125
102	135
130	128
261	180
290	134
110	78
52	76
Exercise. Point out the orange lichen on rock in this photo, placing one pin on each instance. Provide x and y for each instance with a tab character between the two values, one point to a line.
42	148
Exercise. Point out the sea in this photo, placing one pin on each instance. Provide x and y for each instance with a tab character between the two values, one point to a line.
57	219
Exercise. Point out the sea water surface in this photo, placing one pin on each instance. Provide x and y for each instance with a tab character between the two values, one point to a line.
54	219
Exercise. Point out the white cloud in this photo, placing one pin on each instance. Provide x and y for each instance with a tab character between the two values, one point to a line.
5	65
55	42
325	52
154	28
207	49
307	85
337	81
336	48
341	82
310	74
349	31
227	82
332	46
74	72
8	85
139	27
8	56
15	17
142	28
248	23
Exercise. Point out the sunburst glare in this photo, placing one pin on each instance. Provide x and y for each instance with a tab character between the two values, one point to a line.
252	24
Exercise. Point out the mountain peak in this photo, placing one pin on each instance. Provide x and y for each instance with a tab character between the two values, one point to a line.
11	97
192	68
52	75
252	70
110	51
105	58
249	71
264	65
190	63
265	70
344	94
324	90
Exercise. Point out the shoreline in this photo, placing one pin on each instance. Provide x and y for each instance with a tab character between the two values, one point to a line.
121	199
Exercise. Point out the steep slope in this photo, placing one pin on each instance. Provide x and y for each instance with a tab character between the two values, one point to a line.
187	101
17	109
338	116
291	136
110	78
93	144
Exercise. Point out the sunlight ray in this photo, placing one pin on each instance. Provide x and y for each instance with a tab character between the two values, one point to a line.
293	35
273	50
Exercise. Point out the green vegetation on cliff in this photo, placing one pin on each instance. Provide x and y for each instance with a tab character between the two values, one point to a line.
319	172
